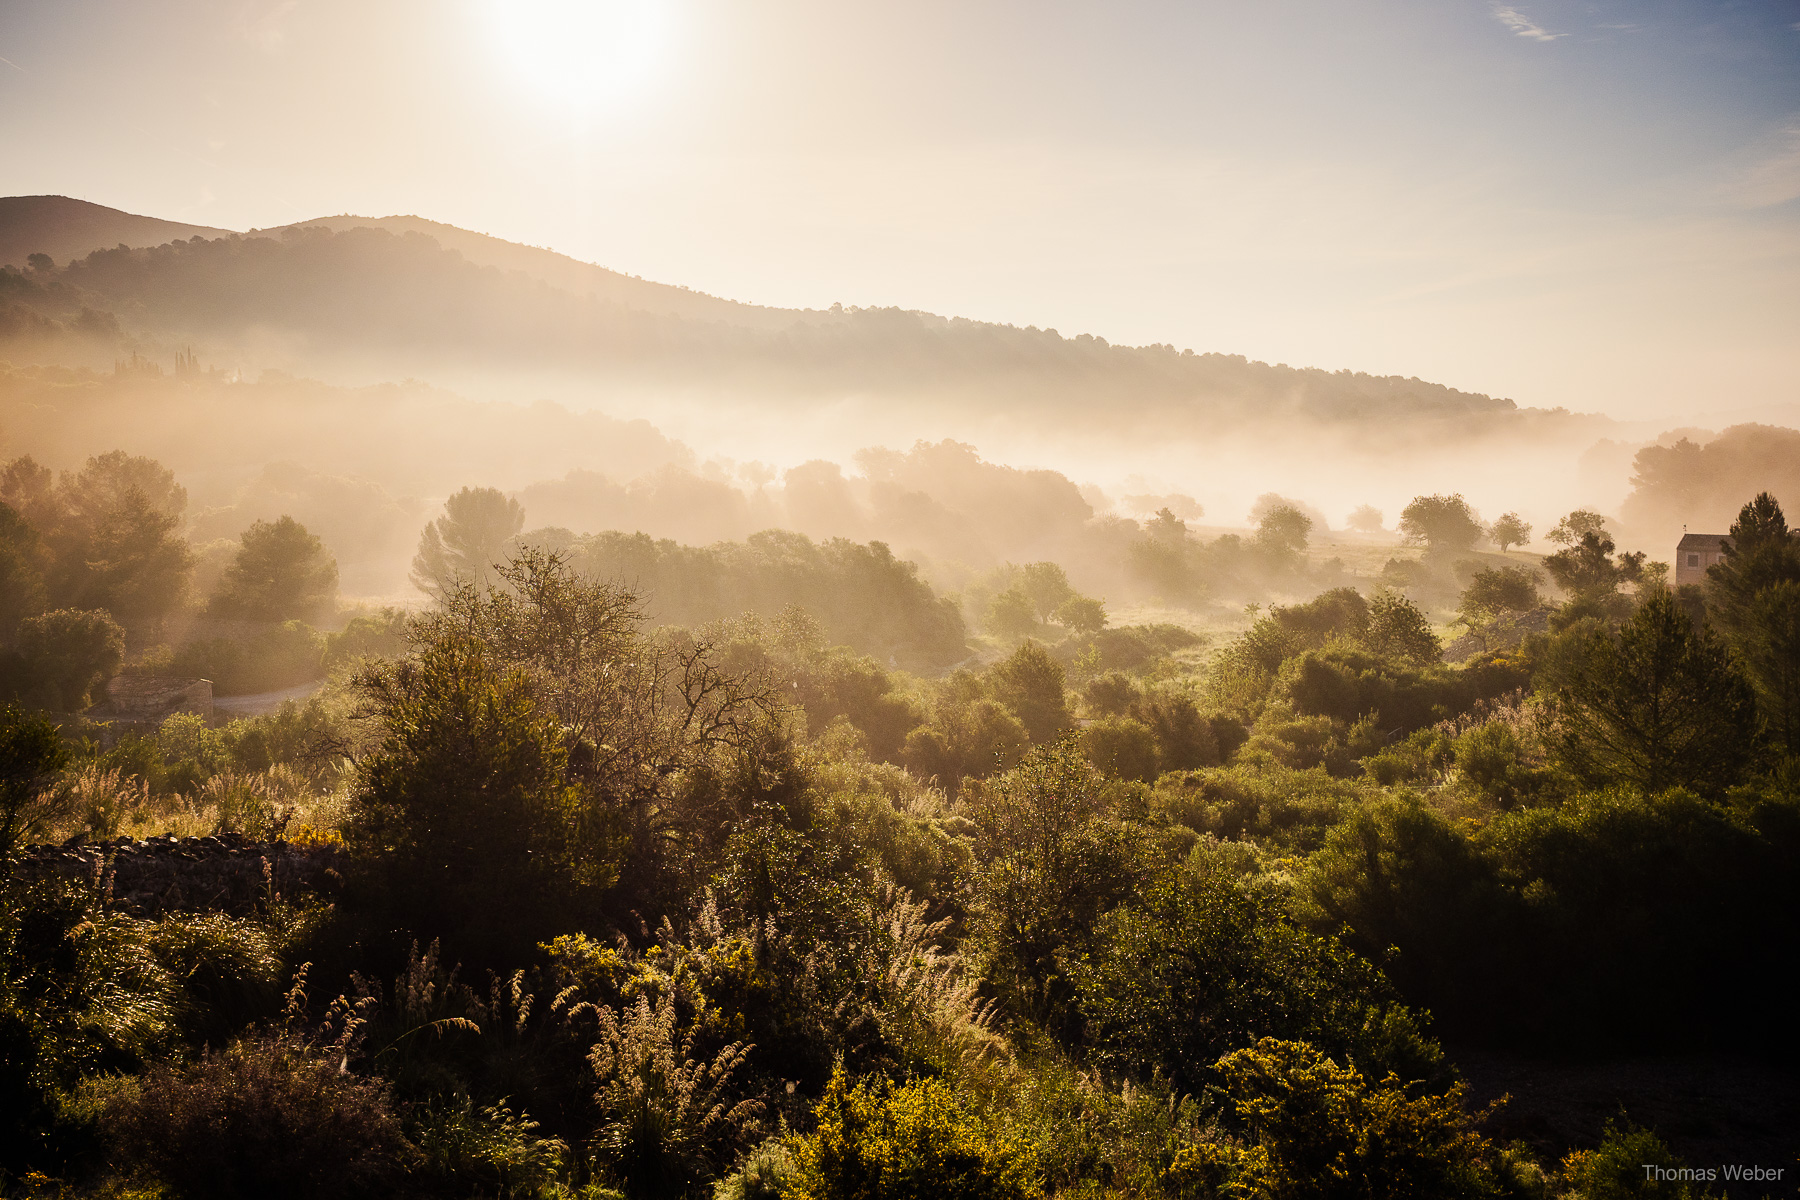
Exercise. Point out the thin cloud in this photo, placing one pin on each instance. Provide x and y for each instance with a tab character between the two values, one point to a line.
1775	177
1522	25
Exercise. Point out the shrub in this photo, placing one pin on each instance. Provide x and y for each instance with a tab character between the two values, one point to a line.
1199	966
666	1118
264	1117
1615	1170
918	1141
80	992
68	656
1322	1130
489	1151
1122	746
31	752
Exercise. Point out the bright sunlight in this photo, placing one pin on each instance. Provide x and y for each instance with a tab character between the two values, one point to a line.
580	54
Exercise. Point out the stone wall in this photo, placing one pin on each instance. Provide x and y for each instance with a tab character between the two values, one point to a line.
228	873
153	698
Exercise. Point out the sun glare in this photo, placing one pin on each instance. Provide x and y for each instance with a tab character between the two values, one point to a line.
580	55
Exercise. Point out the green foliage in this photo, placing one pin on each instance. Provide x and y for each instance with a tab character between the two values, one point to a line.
81	992
280	573
1081	615
917	1141
1661	704
1509	530
229	972
1753	596
1398	630
1051	863
1321	1131
114	532
860	594
467	543
1121	746
67	656
1281	534
765	1174
1497	593
380	634
1030	683
272	659
1196	966
466	812
967	737
667	1118
1267	804
1574	529
31	753
1554	927
265	1116
1442	524
1586	571
23	562
1012	615
1615	1169
487	1151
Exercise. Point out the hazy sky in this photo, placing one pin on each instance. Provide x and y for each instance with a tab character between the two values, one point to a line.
1592	204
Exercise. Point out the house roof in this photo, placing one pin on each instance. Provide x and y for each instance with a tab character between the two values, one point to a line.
1703	541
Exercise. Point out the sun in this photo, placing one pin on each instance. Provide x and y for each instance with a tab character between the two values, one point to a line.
580	55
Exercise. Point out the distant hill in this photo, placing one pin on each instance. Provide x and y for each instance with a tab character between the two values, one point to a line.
567	274
404	297
65	228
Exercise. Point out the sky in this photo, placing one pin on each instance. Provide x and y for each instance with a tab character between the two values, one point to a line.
1591	204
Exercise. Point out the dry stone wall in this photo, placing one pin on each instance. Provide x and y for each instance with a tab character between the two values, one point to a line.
227	873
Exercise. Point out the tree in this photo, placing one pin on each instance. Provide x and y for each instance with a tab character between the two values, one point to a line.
116	543
31	753
1754	598
1659	705
467	542
1397	629
1030	683
1047	585
1572	529
69	655
1496	594
1509	530
1011	614
1282	533
1762	551
1442	524
1083	614
1586	570
1052	863
31	490
1769	642
23	561
1365	518
468	804
281	573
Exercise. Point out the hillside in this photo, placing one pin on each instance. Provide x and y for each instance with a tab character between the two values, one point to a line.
403	297
65	228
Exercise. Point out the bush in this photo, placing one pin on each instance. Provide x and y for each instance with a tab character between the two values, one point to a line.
1322	1130
281	656
1199	966
68	656
80	992
918	1141
264	1117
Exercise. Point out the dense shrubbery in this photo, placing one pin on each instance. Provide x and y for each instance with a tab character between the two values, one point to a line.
735	910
